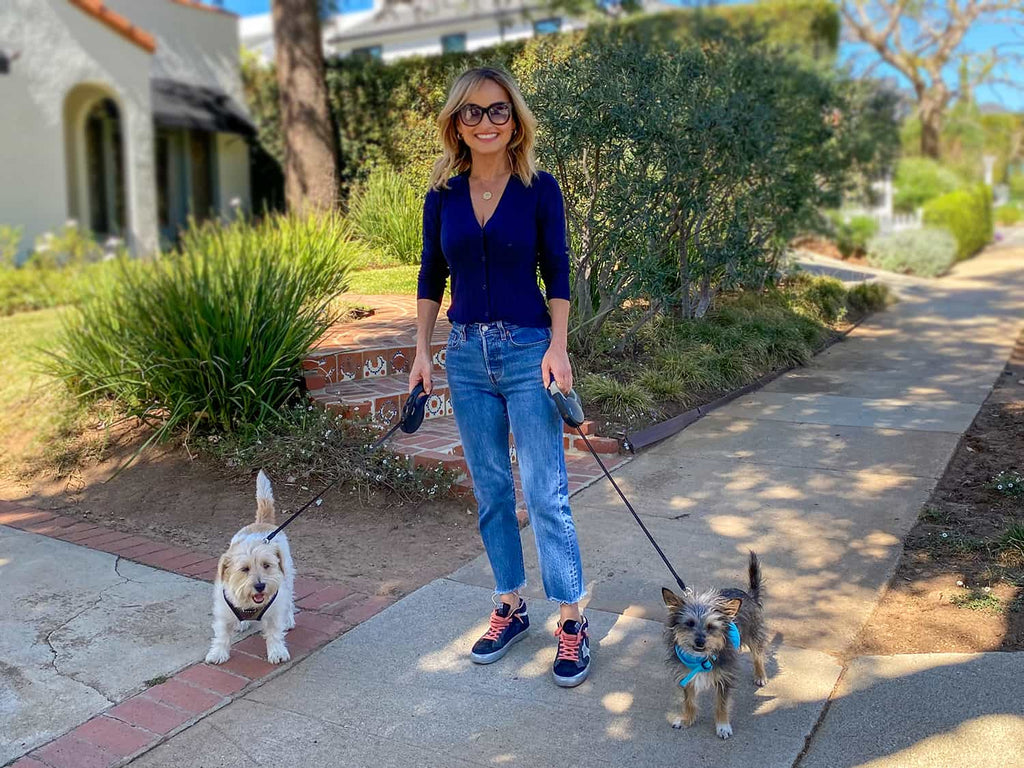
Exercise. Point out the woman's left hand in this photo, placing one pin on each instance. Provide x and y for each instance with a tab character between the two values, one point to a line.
556	365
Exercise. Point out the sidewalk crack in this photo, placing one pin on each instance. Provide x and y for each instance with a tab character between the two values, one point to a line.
55	652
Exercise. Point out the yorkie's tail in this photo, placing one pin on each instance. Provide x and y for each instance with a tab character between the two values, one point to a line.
754	574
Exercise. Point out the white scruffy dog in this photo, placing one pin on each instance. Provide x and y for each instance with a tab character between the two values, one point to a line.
255	582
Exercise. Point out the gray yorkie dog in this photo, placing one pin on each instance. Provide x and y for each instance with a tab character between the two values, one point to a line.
704	633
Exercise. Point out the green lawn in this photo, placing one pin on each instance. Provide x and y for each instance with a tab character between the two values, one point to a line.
385	281
34	406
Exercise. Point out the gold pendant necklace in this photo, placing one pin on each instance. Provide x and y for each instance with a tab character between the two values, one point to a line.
487	195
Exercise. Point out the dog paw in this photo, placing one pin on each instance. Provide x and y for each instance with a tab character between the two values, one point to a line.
677	723
760	682
724	730
217	656
289	622
277	654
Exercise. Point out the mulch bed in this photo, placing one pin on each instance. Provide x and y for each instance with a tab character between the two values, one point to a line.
955	588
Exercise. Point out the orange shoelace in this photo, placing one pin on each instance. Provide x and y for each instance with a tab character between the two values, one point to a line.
498	625
568	645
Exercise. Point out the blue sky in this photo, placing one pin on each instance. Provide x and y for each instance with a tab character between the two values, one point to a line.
980	38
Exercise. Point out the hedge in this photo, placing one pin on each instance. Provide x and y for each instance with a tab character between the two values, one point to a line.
385	112
967	214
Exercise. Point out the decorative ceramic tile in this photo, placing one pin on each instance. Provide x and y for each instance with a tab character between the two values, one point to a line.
448	407
440	356
347	366
435	405
399	362
512	452
386	411
375	366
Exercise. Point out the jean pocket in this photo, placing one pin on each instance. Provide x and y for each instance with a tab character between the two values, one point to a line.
526	336
454	339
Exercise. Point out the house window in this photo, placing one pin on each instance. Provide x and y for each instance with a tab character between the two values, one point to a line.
367	52
453	43
547	26
186	179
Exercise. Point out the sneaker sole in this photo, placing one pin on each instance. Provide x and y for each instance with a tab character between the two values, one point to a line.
490	658
572	682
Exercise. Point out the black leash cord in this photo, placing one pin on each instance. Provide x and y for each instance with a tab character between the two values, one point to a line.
377	444
629	506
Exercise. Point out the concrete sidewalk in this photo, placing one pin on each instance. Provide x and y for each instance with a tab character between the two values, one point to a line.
68	655
823	473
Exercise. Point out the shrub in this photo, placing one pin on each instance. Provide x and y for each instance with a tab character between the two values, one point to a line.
10	240
868	297
967	214
920	179
928	252
388	213
56	272
1008	215
213	336
852	236
823	298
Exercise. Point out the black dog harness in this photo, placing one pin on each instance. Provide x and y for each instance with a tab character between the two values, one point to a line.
249	614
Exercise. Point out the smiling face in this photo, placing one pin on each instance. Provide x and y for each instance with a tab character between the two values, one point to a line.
252	572
486	137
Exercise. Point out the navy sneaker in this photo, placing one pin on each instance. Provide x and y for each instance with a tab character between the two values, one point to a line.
507	627
572	663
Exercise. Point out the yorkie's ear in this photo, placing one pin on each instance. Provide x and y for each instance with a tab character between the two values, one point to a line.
731	607
672	600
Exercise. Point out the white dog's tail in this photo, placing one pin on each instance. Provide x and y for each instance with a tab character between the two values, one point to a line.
264	499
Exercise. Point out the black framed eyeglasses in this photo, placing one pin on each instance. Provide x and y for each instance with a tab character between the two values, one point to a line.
499	113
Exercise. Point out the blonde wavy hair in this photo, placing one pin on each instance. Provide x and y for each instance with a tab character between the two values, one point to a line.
455	157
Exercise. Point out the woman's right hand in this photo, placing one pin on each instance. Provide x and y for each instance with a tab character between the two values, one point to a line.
422	370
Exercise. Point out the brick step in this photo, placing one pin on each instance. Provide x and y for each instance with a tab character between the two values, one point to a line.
324	367
381	398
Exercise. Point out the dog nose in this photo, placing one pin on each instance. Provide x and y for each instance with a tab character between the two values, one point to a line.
259	586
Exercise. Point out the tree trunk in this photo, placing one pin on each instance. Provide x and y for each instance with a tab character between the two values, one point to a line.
310	144
930	114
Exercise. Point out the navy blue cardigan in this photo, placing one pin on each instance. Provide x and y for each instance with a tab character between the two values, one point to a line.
494	267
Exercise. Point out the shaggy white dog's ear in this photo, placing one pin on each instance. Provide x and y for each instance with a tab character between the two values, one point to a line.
223	566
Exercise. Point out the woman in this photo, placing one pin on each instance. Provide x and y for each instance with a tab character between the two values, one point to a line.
491	226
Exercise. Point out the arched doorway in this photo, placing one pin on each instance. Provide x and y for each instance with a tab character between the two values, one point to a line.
94	144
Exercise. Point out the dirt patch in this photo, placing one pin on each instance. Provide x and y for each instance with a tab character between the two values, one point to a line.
958	585
373	544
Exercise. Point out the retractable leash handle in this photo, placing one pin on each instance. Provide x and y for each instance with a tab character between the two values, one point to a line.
571	410
413	413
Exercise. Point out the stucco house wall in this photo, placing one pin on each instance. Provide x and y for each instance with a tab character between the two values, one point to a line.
69	59
60	48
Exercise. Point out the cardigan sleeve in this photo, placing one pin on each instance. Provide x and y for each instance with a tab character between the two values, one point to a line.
433	266
553	248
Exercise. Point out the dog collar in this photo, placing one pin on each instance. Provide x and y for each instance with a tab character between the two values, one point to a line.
249	614
706	662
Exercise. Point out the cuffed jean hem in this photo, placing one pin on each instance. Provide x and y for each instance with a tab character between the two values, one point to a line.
514	590
583	594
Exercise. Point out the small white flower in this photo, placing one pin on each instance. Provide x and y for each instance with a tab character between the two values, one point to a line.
987	589
945	535
959	583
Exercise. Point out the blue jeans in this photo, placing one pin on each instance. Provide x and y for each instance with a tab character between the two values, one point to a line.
495	381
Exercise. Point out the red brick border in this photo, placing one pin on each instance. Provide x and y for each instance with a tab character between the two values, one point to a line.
141	722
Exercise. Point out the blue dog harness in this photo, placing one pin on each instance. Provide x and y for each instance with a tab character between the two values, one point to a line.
705	663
